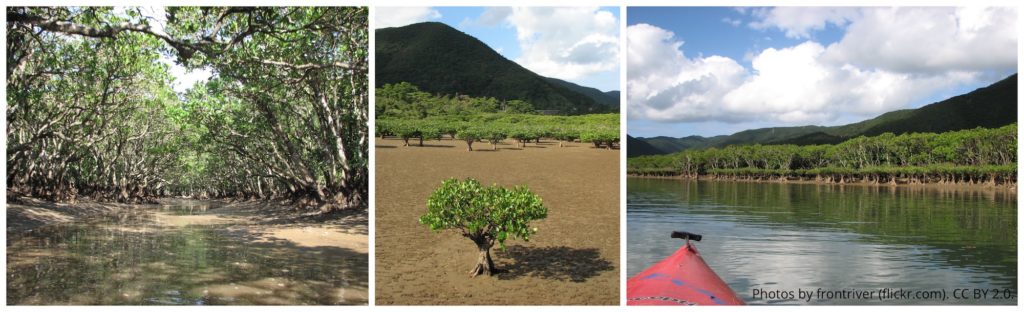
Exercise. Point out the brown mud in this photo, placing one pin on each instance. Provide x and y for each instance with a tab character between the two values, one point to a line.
274	227
572	259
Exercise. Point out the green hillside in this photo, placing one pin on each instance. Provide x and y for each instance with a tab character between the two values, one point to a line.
989	107
635	147
442	60
610	99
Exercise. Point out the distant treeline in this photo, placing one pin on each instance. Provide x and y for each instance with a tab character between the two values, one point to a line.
407	113
968	156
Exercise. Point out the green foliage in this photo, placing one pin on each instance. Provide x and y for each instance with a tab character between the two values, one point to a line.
600	136
284	115
518	107
493	213
442	60
450	116
971	155
471	135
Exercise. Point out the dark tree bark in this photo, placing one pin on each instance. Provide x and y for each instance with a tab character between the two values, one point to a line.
484	264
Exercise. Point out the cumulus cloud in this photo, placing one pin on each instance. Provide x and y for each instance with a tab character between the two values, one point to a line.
930	40
887	59
665	85
799	22
565	43
401	16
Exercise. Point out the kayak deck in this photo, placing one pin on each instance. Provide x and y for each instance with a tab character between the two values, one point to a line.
681	279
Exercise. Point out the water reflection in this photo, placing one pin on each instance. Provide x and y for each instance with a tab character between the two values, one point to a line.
129	260
789	236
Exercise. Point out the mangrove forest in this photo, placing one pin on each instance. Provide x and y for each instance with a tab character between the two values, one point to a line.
405	112
283	115
975	156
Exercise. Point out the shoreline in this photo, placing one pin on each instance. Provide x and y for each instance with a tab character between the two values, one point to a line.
26	213
1009	187
283	231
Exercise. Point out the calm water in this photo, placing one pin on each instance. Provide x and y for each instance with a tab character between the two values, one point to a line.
785	237
128	259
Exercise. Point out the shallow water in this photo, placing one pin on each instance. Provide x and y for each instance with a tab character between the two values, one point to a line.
130	259
768	237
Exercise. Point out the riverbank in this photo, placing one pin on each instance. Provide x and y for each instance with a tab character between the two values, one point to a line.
864	181
183	251
27	213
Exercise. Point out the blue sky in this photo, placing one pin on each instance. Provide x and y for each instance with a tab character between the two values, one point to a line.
536	38
691	70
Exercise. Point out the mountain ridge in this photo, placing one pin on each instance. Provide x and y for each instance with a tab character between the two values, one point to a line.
440	59
991	106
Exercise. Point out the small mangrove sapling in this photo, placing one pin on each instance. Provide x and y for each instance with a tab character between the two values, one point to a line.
484	215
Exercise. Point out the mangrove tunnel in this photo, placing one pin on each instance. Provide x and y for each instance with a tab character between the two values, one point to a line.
92	112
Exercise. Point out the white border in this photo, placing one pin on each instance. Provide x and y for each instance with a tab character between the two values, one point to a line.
623	16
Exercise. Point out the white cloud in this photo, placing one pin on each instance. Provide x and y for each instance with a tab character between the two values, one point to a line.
401	16
565	43
665	85
733	22
493	16
930	40
796	85
798	22
886	60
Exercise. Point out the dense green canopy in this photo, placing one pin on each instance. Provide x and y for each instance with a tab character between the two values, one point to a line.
406	112
966	156
91	111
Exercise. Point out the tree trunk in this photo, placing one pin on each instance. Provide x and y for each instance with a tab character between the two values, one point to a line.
484	264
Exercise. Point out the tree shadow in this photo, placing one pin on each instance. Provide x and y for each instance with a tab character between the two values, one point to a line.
90	264
384	146
274	213
556	263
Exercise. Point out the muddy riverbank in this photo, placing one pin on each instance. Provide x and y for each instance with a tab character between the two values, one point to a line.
182	251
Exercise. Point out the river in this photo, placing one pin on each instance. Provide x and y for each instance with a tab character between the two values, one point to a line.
786	237
182	252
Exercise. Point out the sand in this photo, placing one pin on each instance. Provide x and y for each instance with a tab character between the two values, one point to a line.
572	259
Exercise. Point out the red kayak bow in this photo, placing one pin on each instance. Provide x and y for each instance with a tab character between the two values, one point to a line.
681	279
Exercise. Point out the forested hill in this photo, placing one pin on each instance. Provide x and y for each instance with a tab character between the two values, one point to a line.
989	107
442	60
610	98
637	147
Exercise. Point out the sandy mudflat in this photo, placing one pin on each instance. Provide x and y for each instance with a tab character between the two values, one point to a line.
572	259
289	243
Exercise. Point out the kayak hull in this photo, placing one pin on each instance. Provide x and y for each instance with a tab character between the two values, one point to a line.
681	279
